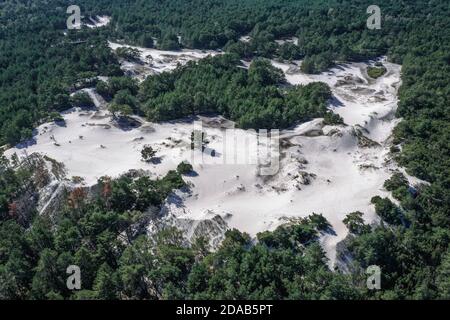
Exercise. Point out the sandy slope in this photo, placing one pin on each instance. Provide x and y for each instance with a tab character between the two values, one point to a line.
98	22
154	61
328	170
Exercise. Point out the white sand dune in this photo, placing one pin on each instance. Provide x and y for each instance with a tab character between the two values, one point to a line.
153	61
323	169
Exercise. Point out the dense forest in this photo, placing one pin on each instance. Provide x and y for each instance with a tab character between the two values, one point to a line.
40	66
251	98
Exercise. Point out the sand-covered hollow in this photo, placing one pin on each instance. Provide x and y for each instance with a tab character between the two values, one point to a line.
154	61
98	21
331	170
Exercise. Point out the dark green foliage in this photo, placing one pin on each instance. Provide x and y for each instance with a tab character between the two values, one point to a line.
319	222
316	63
398	185
289	51
376	72
124	103
327	30
127	53
388	211
331	119
116	84
169	42
128	194
147	153
122	109
56	116
397	180
184	168
147	41
355	223
39	66
252	98
82	100
263	73
443	277
95	235
285	264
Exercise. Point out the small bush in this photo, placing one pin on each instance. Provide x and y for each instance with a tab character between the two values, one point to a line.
184	168
319	221
387	210
398	185
396	181
355	223
56	117
127	53
331	118
147	153
82	100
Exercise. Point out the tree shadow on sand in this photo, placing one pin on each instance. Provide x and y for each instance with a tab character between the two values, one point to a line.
127	123
335	102
191	174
